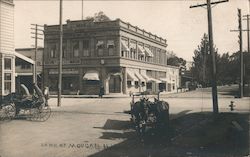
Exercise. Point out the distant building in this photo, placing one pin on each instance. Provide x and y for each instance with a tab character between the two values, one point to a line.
7	56
24	69
114	54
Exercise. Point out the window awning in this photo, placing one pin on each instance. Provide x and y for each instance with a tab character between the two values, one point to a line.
124	46
149	52
164	79
91	75
141	50
116	74
131	75
139	76
99	43
150	79
110	43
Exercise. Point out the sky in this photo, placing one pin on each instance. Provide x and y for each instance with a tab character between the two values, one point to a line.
171	19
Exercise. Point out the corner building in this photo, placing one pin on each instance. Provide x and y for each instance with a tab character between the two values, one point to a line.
121	57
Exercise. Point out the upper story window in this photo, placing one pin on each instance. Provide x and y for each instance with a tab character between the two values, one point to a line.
64	51
111	47
124	48
53	51
133	50
86	48
76	49
141	50
100	47
7	63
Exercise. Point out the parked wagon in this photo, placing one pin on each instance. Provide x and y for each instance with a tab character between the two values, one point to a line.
149	115
34	107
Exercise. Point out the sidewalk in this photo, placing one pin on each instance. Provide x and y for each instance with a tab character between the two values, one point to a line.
93	96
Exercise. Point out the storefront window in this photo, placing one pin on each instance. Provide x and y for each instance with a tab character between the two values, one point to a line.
7	63
7	83
129	83
136	84
149	85
162	86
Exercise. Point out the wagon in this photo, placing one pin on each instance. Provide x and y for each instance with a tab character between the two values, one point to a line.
147	115
33	107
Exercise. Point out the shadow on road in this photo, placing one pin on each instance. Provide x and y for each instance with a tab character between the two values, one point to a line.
193	134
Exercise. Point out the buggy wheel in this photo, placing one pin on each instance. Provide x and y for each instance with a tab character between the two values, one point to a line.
40	114
7	112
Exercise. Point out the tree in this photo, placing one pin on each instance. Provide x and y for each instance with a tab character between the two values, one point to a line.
201	69
224	75
98	17
175	61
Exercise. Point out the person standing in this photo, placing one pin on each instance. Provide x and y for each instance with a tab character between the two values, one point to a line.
101	92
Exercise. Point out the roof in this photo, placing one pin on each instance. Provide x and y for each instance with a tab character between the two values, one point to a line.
24	58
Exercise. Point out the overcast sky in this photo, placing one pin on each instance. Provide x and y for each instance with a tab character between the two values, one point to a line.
171	19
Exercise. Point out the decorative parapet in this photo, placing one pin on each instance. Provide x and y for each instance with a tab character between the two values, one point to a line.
90	24
141	31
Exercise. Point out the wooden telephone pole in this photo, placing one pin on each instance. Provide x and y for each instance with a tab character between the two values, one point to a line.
240	30
38	32
211	48
60	58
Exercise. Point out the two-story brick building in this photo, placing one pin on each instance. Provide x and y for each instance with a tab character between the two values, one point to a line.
121	57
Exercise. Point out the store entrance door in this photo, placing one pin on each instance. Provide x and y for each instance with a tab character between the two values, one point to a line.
114	84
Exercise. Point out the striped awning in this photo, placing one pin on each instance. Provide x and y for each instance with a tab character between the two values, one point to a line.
131	75
124	46
148	52
139	76
141	50
150	79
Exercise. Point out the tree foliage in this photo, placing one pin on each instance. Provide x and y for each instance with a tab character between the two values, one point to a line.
227	66
98	17
175	61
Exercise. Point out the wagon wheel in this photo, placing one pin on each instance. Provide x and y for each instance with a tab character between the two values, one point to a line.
7	112
40	114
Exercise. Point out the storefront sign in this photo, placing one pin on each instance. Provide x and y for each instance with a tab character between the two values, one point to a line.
64	71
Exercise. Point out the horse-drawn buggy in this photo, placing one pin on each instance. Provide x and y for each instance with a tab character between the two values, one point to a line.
22	104
147	115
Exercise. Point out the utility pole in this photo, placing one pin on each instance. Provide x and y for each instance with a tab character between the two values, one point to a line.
212	53
241	94
82	9
248	32
36	37
60	58
241	53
